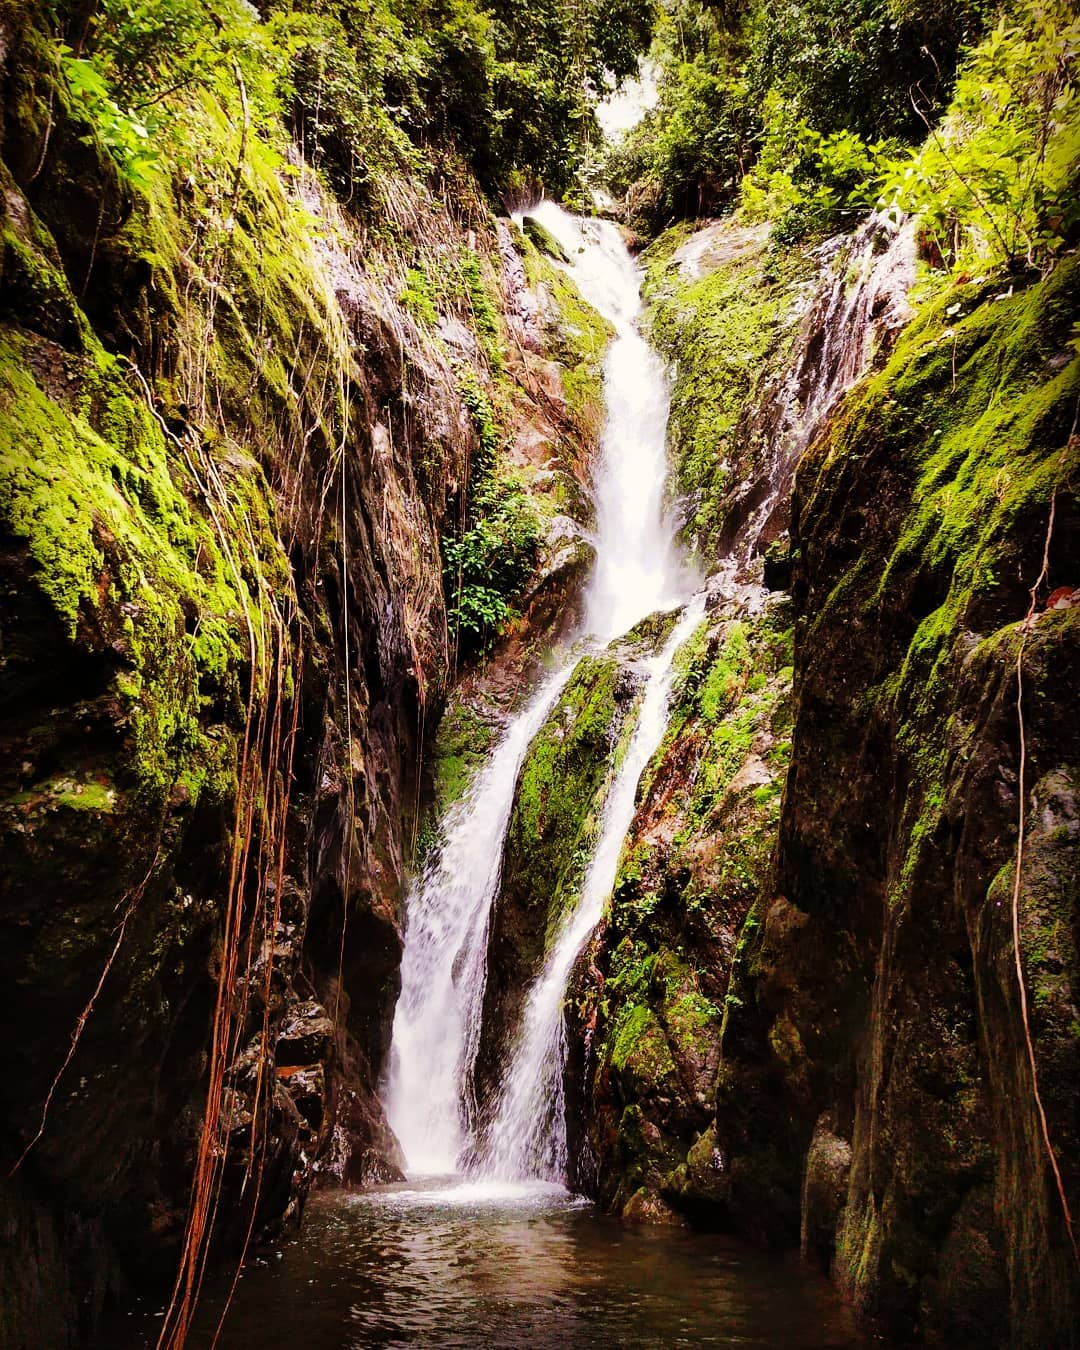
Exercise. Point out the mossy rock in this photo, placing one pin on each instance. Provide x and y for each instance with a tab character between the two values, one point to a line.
553	829
698	850
728	328
544	240
921	521
462	744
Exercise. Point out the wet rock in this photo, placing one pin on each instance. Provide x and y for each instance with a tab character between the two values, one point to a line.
307	1089
557	807
646	1206
699	1186
777	566
647	1037
306	1035
788	345
876	1009
828	1164
544	240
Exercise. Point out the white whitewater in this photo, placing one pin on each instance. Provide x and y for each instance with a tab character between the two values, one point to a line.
638	571
444	965
528	1137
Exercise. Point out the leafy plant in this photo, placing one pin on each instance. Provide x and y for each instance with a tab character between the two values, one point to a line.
997	181
485	566
126	137
417	297
489	563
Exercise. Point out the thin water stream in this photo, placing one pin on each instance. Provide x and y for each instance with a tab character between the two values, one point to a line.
528	1137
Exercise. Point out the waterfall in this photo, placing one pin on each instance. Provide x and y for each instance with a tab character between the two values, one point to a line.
528	1137
638	571
443	968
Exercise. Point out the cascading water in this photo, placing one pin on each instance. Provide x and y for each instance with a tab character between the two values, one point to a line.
528	1137
443	968
638	571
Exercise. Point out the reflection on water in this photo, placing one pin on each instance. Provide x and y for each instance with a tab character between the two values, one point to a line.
501	1265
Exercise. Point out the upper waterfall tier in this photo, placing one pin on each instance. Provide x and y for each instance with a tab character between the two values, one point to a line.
638	567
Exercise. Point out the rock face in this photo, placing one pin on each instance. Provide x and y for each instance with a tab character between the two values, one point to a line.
647	1022
879	993
553	828
229	459
758	365
854	1075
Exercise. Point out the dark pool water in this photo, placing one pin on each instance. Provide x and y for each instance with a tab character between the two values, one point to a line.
484	1267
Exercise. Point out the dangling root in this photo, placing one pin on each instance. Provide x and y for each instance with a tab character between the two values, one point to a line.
132	899
1018	960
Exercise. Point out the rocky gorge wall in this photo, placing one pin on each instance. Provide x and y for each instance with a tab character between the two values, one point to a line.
875	1084
236	427
239	426
800	1018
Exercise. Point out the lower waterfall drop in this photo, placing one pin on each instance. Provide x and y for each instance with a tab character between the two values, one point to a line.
528	1136
443	968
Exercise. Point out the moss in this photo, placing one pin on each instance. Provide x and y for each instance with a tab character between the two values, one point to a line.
697	854
921	520
484	312
656	258
731	690
689	1015
118	553
638	1046
561	787
35	290
576	336
727	334
461	747
69	792
544	240
979	411
656	1014
418	298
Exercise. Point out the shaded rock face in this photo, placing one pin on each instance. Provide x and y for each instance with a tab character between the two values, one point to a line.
223	649
555	358
868	1087
877	1007
649	997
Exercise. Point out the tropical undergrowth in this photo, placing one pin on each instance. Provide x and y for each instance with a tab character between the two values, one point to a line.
489	560
808	116
367	88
